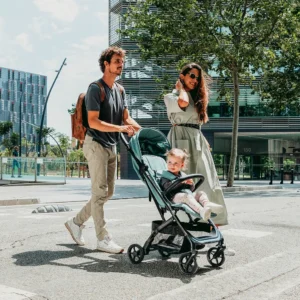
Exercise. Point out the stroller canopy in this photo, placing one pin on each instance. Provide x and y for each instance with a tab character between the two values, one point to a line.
149	141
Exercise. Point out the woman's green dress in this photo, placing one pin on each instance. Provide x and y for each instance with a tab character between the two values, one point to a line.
200	158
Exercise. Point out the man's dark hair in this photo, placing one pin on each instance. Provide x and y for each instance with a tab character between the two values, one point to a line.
107	54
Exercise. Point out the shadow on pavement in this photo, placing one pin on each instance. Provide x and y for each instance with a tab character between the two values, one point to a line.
152	266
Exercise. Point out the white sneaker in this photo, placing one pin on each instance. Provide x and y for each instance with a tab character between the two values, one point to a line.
215	208
75	231
205	213
108	245
229	252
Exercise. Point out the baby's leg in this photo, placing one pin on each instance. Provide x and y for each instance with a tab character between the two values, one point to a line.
188	199
202	198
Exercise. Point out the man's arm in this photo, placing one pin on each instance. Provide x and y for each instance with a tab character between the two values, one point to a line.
95	123
127	120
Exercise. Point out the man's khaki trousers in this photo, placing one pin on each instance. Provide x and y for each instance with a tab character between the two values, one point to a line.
102	167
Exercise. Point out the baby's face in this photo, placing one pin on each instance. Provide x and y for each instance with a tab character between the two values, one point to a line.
175	164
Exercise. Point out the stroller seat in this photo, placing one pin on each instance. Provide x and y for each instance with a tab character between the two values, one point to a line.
157	165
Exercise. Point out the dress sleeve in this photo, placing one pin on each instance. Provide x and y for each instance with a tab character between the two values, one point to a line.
171	102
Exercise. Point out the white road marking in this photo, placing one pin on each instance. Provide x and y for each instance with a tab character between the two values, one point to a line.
90	220
145	225
246	233
139	205
9	293
41	216
250	277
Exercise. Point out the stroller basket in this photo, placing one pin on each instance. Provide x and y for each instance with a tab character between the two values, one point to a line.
171	239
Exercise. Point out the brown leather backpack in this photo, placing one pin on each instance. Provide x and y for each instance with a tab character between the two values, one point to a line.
79	119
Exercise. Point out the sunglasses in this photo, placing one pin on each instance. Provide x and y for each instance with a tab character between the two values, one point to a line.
193	76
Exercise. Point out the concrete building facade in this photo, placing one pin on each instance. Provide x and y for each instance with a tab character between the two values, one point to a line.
22	99
265	138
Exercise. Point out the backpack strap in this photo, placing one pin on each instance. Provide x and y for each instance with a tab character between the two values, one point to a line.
102	90
101	87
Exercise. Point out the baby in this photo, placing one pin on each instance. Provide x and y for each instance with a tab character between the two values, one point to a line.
198	201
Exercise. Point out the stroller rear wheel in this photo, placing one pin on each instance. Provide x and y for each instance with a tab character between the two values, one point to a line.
188	263
216	256
135	253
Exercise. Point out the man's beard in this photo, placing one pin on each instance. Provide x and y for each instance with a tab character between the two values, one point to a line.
118	72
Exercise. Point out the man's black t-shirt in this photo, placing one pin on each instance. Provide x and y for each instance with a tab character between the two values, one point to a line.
110	111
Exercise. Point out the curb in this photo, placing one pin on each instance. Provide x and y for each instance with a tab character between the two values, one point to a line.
19	183
250	188
22	201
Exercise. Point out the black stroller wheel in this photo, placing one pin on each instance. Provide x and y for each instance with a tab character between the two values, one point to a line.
164	253
188	264
216	256
136	253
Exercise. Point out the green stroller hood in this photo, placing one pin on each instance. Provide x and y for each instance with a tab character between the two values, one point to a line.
149	141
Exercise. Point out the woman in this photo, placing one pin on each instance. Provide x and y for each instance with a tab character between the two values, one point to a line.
187	111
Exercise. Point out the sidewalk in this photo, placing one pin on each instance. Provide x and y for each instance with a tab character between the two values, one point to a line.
79	190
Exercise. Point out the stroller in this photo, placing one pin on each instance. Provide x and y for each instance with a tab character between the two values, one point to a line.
170	236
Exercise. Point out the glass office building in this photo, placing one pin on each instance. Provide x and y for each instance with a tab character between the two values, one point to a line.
264	135
22	99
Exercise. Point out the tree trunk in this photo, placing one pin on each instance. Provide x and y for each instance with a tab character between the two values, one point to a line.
235	127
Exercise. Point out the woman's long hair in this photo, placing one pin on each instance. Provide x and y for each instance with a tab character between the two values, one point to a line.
200	93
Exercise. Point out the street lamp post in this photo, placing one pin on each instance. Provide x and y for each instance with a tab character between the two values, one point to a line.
20	133
61	152
45	107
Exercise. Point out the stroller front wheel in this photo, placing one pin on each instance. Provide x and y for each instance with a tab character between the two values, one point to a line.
188	263
136	253
216	256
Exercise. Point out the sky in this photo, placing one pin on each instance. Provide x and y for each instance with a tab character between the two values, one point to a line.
37	35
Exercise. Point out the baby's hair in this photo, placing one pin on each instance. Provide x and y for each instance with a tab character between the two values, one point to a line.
183	154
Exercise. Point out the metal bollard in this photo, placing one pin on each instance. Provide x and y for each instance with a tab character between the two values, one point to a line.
271	177
281	176
292	175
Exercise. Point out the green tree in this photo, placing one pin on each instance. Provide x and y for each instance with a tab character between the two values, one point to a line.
11	142
46	131
280	82
233	38
5	127
63	144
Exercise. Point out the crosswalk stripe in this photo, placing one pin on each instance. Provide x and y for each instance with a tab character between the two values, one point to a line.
244	278
145	225
246	233
9	293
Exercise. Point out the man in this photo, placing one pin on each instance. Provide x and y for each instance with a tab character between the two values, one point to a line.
16	163
105	120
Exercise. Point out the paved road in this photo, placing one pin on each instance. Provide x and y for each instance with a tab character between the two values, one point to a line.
79	190
39	260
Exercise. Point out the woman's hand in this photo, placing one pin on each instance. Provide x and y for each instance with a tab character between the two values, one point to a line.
183	98
178	85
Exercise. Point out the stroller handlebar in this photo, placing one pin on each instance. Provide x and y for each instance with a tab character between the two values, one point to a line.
124	140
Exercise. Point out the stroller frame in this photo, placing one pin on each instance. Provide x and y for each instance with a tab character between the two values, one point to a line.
189	249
